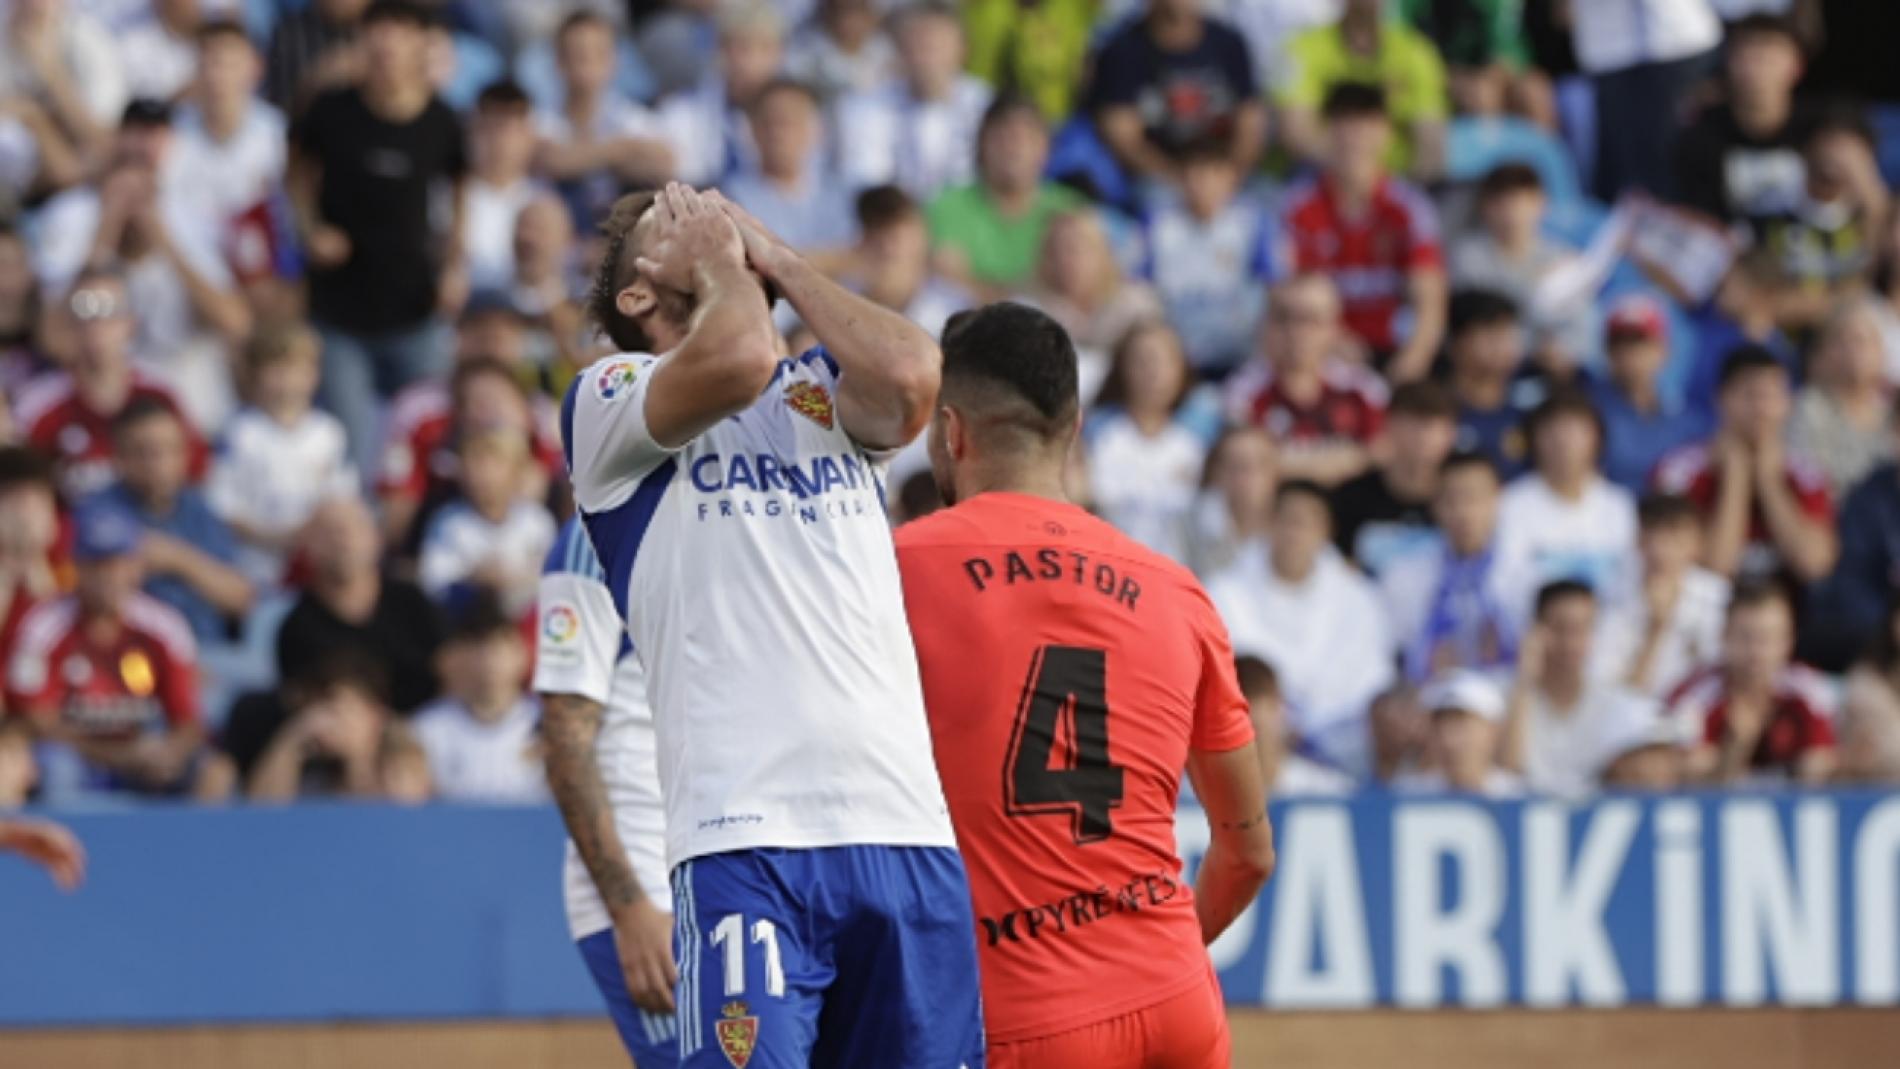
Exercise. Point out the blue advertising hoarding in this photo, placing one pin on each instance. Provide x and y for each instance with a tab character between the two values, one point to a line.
373	912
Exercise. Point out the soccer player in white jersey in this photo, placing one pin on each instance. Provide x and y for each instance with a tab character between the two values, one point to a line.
598	732
736	500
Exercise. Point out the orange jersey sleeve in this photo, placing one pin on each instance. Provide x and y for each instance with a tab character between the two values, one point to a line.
1067	671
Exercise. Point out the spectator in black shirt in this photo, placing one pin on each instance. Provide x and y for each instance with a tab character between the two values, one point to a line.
1741	161
1386	513
350	604
369	164
1171	78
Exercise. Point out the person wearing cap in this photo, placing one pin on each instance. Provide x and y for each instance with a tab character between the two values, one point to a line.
1467	717
1637	750
144	215
1557	712
1642	422
1764	511
107	675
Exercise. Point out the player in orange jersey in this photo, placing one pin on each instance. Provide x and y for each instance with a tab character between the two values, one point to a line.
1069	675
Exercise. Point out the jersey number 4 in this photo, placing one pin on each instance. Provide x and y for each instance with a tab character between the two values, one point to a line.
1066	687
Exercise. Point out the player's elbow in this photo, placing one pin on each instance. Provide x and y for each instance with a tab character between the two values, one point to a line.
913	385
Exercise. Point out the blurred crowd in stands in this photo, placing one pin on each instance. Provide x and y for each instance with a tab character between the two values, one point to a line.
1517	375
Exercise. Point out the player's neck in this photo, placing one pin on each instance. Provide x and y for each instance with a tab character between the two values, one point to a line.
1009	479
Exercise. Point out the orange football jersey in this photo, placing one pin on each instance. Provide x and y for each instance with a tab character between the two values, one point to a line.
1067	671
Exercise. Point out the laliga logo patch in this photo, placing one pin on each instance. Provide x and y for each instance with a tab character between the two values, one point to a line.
810	400
614	380
738	1034
560	623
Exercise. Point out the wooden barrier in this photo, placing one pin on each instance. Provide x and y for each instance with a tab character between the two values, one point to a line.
1624	1039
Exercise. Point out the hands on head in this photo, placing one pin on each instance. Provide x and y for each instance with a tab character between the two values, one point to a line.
695	231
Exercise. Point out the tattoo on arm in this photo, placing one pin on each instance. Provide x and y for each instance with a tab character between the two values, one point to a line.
569	725
1242	825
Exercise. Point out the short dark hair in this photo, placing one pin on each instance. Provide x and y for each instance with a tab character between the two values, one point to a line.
1292	488
1509	178
480	617
211	29
782	84
1006	352
1557	590
1761	25
399	11
1657	509
1462	459
1007	105
1210	147
611	275
1747	359
1256	677
1354	100
887	205
1422	399
503	94
139	409
1755	593
1562	402
21	466
345	667
1473	308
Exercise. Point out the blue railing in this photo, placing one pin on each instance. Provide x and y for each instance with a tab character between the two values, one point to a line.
327	912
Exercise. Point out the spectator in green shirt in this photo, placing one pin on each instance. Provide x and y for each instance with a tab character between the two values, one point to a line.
1486	54
1365	47
986	234
1035	47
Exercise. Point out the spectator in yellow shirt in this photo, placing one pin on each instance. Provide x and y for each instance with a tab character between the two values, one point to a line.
1365	47
1035	47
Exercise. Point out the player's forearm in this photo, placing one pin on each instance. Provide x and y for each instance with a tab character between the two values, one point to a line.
1228	883
569	726
890	368
730	341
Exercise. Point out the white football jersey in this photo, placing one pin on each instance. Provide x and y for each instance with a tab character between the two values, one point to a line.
581	648
767	609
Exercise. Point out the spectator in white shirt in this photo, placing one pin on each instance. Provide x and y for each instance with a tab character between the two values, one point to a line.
1467	716
491	538
706	124
1210	256
1143	462
919	133
68	63
1643	56
143	215
597	141
1302	607
1234	509
480	735
501	151
843	50
789	189
1509	253
1563	516
1557	716
543	285
1665	620
231	146
163	49
281	457
1288	774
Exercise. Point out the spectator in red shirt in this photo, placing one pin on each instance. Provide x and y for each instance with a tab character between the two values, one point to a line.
1374	234
29	531
1326	412
68	415
1756	713
1764	511
108	674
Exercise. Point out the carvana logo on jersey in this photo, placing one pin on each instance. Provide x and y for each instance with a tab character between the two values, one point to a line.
613	381
811	484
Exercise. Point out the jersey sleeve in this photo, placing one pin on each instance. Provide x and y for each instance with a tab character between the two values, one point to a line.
577	638
604	431
1222	720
